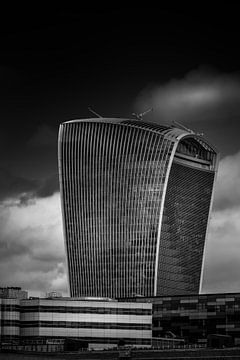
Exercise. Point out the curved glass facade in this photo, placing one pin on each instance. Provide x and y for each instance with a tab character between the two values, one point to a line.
183	232
124	187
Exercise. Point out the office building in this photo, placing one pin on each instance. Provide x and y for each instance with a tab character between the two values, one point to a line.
136	199
99	323
195	318
161	321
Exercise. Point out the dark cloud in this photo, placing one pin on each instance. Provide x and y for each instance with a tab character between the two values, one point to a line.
12	185
31	169
49	186
24	190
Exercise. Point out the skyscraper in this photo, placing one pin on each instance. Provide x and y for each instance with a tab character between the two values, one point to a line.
136	200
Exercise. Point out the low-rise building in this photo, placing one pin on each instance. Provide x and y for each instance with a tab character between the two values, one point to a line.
99	323
196	317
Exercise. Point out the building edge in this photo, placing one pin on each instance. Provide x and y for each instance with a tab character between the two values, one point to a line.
209	218
61	199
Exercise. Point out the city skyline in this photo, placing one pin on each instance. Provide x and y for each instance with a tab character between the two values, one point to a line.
55	65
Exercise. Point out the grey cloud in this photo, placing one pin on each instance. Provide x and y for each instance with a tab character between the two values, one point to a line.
9	250
31	246
221	276
202	95
227	192
222	264
49	186
37	281
26	199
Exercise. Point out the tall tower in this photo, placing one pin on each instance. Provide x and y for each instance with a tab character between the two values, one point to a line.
136	199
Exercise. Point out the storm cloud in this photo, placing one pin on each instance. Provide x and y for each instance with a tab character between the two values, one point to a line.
21	190
12	185
32	171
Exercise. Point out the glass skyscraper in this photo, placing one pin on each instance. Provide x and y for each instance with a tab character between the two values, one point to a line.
136	200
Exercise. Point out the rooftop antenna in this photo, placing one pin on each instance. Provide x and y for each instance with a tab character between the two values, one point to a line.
140	116
182	126
185	128
94	112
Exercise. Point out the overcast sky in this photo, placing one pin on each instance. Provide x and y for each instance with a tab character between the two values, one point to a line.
55	64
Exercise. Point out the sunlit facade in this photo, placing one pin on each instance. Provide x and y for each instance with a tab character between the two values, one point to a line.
100	323
136	199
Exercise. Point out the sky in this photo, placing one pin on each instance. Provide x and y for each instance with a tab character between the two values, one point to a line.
184	64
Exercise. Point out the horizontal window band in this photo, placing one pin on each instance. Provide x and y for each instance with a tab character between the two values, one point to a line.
9	307
85	325
86	310
6	322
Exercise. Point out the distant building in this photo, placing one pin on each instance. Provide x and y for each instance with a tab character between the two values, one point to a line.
100	324
53	294
136	200
11	292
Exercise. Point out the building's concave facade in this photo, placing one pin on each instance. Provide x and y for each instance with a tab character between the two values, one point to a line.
136	199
